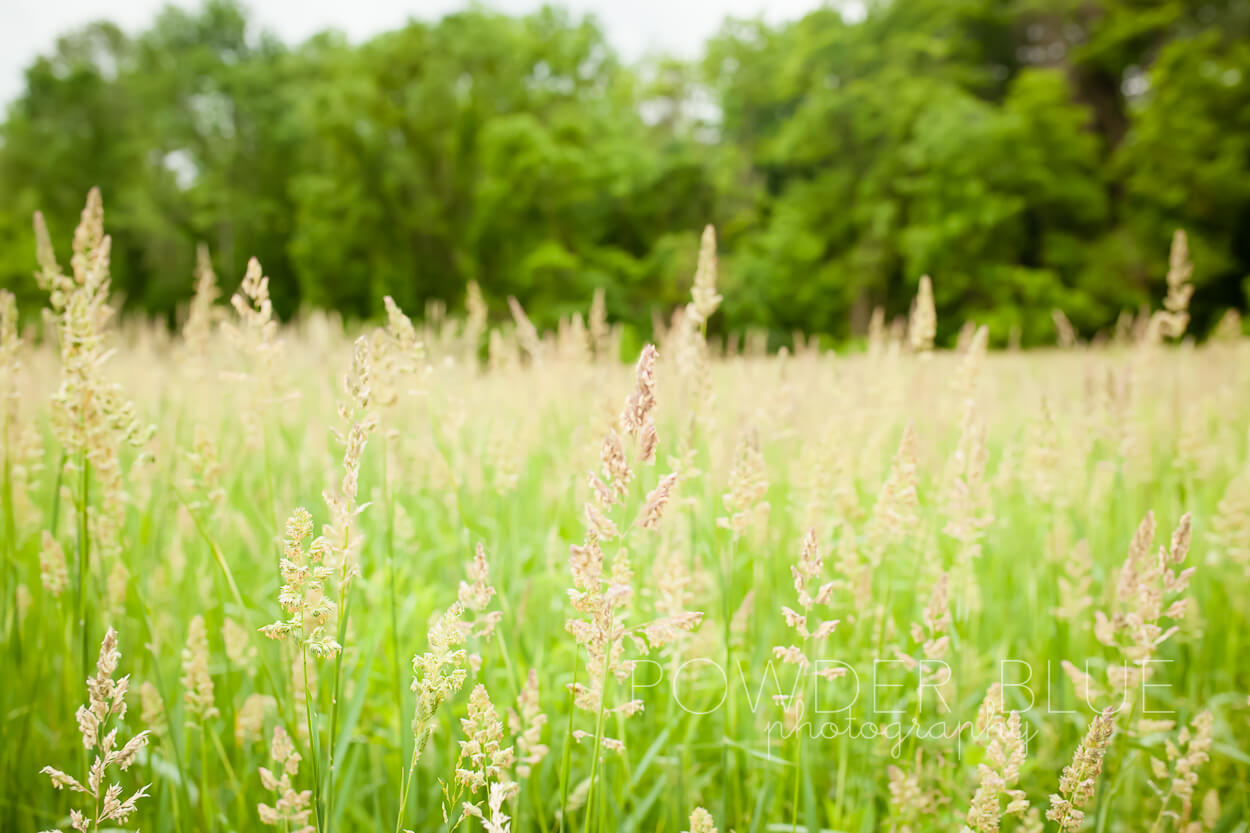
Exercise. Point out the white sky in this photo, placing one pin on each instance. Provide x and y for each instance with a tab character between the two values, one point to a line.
29	28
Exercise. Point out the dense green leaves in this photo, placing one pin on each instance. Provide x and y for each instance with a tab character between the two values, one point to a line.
1028	155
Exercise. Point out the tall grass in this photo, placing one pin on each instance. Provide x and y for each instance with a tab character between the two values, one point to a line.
676	576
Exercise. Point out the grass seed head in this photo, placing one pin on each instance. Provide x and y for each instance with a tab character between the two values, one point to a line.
197	683
106	705
1080	778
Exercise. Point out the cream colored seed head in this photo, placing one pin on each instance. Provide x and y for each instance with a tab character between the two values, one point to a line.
1080	778
526	724
197	683
704	297
239	648
1176	303
52	569
106	703
700	819
922	325
202	316
483	758
438	673
152	709
292	808
249	720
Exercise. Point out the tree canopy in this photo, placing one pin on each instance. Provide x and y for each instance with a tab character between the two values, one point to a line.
1028	154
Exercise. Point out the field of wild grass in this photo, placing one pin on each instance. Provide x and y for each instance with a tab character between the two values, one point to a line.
457	575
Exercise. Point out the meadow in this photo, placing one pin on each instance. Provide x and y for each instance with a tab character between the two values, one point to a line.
454	572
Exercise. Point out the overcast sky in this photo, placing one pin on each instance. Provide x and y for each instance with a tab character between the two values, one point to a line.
635	27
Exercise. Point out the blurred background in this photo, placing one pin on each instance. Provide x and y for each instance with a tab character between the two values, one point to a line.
1028	154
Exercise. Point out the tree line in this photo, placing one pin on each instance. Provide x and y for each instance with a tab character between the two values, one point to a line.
1028	154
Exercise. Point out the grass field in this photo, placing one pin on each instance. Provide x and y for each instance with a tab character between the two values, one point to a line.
536	588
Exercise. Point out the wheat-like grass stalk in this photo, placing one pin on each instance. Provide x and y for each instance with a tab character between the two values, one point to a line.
1076	786
922	324
807	434
98	724
998	774
10	369
436	676
90	416
291	809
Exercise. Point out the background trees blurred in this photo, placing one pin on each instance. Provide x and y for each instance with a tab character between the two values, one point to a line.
1028	154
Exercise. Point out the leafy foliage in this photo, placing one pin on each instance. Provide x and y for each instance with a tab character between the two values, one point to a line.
1029	155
